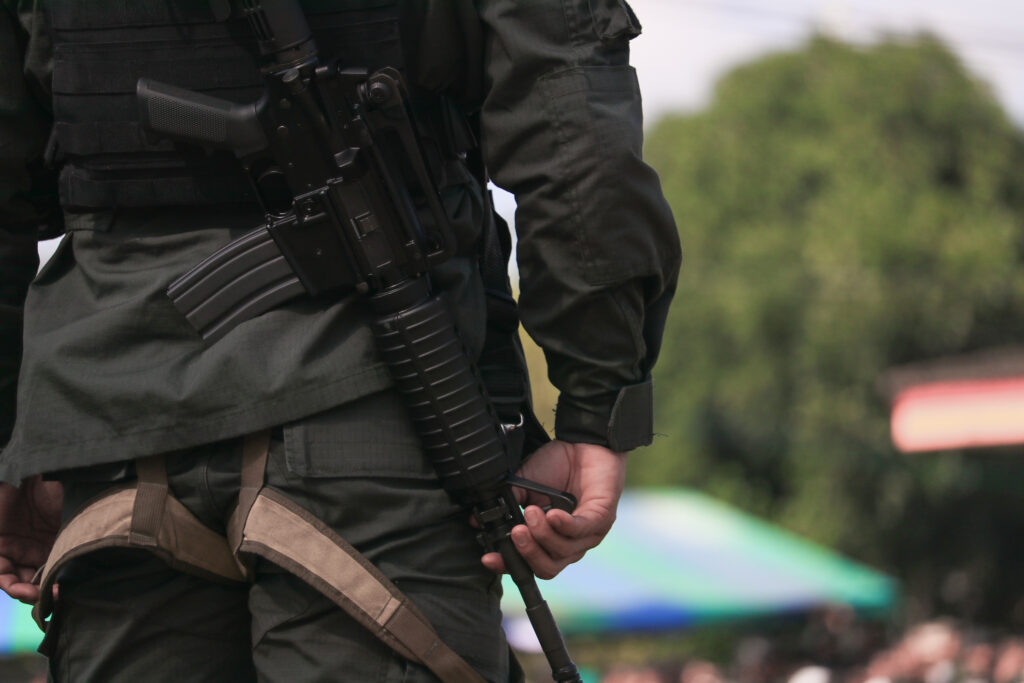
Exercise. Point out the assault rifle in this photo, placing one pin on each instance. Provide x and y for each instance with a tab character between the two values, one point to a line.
335	159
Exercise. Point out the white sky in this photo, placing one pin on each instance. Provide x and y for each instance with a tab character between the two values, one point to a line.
687	44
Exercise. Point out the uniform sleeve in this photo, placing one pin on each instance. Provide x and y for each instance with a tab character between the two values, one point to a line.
27	197
598	249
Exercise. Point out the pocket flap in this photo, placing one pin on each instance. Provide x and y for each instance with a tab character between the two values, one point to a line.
371	436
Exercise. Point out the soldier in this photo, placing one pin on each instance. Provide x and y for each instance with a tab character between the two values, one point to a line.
115	392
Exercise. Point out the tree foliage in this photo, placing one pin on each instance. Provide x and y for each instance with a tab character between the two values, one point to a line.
844	210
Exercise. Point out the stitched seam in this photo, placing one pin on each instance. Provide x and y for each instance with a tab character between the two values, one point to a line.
207	491
561	134
635	327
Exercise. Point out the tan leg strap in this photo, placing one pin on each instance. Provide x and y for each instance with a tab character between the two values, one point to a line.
265	523
150	501
139	515
292	538
279	530
255	451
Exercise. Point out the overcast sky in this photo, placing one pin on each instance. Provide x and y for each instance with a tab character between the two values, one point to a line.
687	44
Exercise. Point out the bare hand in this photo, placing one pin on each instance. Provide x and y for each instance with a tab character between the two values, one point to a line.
29	521
551	541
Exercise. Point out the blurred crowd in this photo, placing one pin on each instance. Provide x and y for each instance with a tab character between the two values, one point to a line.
833	648
934	652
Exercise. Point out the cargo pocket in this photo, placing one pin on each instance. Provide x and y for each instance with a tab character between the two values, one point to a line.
369	437
359	469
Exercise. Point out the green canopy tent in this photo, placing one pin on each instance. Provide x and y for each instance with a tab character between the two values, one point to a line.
676	557
18	633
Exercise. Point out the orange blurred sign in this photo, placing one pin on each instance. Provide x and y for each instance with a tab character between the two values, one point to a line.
959	414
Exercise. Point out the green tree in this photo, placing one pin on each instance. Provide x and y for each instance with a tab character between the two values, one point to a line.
844	210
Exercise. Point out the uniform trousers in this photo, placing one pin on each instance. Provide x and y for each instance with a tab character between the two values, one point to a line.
124	615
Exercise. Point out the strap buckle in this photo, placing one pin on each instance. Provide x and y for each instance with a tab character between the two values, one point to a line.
509	427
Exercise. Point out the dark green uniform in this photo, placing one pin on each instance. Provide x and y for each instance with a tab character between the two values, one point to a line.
110	371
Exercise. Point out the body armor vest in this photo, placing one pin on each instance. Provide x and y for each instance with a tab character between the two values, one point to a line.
101	49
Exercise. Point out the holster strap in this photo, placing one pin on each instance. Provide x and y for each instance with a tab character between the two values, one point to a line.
255	450
268	524
140	515
264	523
290	537
150	501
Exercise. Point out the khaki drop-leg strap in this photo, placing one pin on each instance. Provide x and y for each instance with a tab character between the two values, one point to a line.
271	526
150	501
255	450
140	515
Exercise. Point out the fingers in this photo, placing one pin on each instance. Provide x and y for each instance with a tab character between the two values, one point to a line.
543	565
551	542
22	550
546	550
568	539
16	580
494	562
14	586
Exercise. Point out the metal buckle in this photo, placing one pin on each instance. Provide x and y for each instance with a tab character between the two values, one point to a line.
508	427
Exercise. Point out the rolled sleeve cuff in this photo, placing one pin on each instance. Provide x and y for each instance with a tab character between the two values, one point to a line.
621	421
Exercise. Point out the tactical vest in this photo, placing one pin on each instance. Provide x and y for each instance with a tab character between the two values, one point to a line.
101	49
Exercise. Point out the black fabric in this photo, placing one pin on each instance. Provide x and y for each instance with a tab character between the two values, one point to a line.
81	186
113	162
18	258
116	605
632	421
101	50
621	421
109	368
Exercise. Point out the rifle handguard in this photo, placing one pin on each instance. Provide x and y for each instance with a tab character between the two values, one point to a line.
446	399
